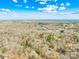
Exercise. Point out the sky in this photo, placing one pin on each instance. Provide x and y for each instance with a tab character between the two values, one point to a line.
39	9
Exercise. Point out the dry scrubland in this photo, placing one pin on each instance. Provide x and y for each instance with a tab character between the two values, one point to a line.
27	40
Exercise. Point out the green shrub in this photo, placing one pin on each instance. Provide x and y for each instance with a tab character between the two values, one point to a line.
4	50
23	45
63	49
50	38
62	31
65	46
76	38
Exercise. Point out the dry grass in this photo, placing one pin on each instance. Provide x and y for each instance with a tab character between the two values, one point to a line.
23	40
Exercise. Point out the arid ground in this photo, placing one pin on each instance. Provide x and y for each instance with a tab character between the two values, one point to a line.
36	40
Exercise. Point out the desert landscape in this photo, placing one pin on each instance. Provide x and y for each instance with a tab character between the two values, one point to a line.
37	40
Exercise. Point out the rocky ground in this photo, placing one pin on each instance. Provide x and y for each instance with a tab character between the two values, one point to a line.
27	40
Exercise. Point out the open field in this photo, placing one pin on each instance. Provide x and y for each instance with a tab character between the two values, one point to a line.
39	40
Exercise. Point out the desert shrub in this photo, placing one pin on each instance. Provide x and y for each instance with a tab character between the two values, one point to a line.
41	35
65	46
76	38
23	45
61	31
39	51
63	49
61	36
41	23
4	50
50	38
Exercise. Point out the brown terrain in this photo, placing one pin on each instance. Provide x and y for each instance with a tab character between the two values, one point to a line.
27	40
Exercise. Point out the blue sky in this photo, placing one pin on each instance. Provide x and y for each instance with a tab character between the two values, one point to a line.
39	9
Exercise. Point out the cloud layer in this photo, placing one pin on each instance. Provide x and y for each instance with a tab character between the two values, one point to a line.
10	14
39	9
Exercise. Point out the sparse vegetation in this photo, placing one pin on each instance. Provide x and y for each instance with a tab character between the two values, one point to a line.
50	38
24	45
76	38
4	50
63	49
41	35
61	31
29	41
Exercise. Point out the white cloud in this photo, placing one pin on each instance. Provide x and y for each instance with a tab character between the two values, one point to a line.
30	7
37	15
3	13
27	7
62	4
55	0
15	1
75	12
39	9
49	8
6	13
5	10
42	2
33	7
62	8
25	1
68	4
45	9
52	6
